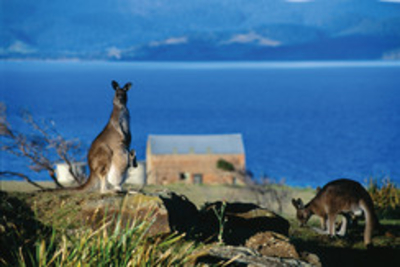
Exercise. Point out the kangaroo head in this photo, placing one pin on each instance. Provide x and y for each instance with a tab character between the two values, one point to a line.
120	97
302	213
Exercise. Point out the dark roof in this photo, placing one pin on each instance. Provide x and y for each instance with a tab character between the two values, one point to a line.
196	144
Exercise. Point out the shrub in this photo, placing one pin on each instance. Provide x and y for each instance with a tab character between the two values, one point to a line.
225	165
386	197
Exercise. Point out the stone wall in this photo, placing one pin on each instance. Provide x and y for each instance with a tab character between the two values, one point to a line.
192	169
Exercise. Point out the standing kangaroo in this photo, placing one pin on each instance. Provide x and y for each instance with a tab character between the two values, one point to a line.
343	197
109	156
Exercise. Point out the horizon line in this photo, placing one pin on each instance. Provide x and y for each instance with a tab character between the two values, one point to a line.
227	64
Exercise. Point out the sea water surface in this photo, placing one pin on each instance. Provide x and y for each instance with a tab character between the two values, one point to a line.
306	123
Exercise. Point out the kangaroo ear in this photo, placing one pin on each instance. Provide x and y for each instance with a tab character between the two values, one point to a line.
318	189
127	86
300	203
115	85
294	202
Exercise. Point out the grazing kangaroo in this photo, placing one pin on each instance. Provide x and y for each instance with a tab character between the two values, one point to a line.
109	156
345	197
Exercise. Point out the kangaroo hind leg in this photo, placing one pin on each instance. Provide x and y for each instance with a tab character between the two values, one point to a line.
369	223
103	185
114	177
331	224
119	166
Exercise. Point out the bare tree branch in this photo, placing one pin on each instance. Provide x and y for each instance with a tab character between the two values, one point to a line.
42	147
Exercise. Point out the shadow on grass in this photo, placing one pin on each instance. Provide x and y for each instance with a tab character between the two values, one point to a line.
335	256
240	220
350	251
19	230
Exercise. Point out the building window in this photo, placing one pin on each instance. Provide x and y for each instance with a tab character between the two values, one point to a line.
234	180
183	176
198	178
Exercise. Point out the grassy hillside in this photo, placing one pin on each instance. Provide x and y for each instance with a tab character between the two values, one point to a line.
53	228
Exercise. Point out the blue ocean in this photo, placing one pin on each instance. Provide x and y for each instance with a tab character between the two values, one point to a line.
303	123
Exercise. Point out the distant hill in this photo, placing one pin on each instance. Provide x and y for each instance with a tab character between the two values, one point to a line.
200	30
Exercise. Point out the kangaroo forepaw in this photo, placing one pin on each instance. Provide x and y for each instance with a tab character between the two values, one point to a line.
341	233
320	231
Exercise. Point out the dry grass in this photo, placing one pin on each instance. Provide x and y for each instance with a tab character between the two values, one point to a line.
44	229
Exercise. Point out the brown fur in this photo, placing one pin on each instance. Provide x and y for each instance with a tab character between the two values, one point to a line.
341	196
109	156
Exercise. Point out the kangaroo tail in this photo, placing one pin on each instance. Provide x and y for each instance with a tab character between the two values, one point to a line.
371	220
90	183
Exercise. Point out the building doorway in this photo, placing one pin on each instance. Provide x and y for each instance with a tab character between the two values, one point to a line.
198	178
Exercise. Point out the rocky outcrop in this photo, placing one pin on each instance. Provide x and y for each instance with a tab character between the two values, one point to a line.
242	256
272	244
251	235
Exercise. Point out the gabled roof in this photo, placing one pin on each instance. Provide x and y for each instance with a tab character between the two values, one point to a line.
196	144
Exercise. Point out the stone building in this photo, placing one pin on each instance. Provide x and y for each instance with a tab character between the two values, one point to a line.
193	159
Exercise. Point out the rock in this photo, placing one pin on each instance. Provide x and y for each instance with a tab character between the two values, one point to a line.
311	258
239	256
241	221
127	209
273	245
